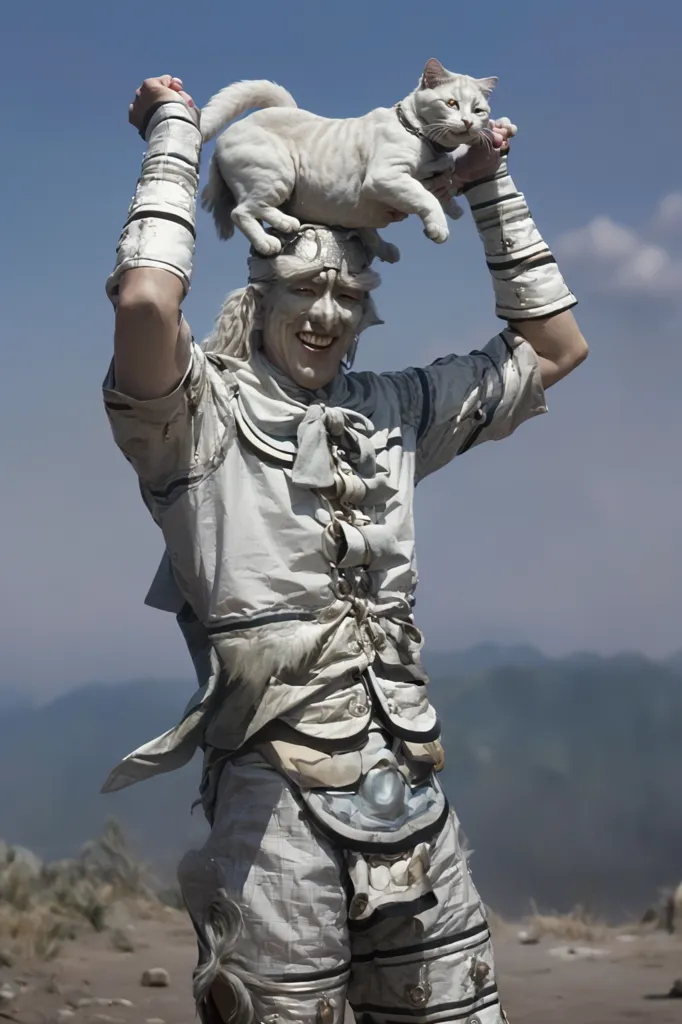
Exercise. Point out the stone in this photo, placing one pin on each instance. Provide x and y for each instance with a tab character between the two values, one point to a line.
155	977
65	1015
6	958
7	994
81	1004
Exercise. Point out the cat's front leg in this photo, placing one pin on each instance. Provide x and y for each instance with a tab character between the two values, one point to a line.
402	192
452	208
380	248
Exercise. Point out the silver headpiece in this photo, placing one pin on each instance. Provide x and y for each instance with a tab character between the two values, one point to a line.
332	248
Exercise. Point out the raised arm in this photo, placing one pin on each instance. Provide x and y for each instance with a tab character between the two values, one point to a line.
530	292
156	249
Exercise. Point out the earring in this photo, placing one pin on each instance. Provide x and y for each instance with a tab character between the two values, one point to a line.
349	358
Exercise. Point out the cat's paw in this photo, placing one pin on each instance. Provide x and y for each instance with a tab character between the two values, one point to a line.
268	245
436	231
388	253
453	209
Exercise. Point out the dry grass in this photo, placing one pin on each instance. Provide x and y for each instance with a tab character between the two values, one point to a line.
579	925
42	905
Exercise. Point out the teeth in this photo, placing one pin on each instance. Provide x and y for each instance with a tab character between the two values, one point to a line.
316	340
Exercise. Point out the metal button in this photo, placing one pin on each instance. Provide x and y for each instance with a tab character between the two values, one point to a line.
357	708
343	588
358	905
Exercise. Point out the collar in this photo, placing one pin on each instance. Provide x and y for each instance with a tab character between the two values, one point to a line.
414	130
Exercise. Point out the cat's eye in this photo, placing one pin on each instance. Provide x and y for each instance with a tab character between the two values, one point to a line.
305	291
453	103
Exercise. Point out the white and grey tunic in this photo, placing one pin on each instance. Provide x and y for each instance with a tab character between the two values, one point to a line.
288	523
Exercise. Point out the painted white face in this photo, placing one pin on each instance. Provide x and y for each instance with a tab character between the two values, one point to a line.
455	108
309	326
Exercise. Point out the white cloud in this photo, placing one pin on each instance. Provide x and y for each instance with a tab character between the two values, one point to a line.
668	216
622	260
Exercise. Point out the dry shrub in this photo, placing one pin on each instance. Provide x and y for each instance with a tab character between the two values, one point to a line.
42	905
579	925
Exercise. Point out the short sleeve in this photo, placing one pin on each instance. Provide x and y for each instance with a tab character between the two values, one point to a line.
460	401
174	439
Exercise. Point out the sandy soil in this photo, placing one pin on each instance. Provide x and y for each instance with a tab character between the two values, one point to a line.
616	980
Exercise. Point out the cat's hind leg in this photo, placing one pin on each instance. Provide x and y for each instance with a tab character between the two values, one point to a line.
259	170
385	251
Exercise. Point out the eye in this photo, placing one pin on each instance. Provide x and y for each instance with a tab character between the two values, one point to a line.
478	111
304	291
349	297
453	103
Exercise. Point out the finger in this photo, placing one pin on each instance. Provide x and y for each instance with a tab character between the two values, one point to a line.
165	80
187	98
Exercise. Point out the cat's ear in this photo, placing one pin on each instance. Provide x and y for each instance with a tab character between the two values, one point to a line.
486	85
434	74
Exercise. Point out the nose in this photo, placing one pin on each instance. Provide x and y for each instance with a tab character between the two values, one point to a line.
467	124
324	312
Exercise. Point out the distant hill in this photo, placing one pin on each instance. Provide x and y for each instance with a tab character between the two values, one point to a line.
566	773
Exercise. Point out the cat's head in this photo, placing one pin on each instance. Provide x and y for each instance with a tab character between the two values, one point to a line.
454	108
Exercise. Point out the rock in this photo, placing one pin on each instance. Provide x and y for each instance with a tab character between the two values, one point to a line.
676	990
154	1020
155	977
102	1018
6	958
7	994
65	1015
578	952
122	940
528	938
100	1001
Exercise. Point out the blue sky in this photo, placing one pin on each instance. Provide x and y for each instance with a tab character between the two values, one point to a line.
566	535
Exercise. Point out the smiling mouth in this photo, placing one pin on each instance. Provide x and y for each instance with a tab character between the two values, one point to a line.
315	342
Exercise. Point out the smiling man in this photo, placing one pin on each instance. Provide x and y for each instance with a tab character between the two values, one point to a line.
283	484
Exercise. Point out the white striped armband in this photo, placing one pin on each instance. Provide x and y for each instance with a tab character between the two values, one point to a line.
160	229
527	282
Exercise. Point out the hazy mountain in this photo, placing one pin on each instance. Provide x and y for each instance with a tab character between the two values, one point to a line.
565	773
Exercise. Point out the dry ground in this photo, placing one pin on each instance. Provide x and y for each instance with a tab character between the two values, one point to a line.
604	981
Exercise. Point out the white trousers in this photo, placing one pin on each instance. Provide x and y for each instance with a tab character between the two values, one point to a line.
291	885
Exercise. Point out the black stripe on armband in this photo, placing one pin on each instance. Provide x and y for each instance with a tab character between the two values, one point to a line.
528	260
493	202
163	215
483	181
194	164
172	117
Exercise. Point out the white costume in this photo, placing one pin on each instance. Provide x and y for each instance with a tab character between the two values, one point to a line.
334	867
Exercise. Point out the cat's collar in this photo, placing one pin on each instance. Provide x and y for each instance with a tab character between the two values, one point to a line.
414	130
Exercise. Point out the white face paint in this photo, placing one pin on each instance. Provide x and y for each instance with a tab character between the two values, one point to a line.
310	324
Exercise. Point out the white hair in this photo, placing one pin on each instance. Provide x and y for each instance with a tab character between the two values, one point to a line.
238	325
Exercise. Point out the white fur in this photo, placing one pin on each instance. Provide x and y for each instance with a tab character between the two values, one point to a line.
286	166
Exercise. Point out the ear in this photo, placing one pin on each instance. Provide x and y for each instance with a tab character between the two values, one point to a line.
486	85
434	74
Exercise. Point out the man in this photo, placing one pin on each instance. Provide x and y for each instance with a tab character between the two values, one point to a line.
283	484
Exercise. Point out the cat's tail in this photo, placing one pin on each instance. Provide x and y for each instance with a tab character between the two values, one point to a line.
236	99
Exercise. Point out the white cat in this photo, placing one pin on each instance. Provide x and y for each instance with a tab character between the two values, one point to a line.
287	166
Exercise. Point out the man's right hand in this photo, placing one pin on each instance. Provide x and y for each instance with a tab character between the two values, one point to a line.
156	90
